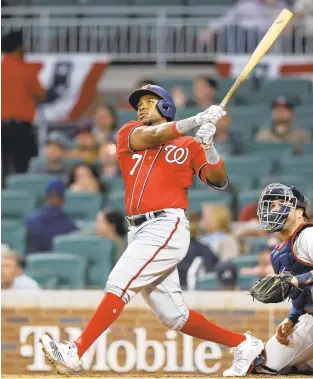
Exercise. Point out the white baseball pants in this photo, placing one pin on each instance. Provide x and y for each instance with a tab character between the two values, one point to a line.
148	266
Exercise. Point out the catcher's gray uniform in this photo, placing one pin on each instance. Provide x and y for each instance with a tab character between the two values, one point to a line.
299	353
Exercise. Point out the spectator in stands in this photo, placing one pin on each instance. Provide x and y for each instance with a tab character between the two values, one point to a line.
49	221
85	178
105	124
264	265
244	25
303	10
217	221
56	150
229	142
249	213
20	91
283	129
196	249
12	276
111	225
227	275
108	158
204	90
86	147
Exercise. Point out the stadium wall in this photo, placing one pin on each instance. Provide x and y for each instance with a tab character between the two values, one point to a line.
136	342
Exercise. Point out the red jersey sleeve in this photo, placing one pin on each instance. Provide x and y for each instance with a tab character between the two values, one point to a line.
123	137
198	161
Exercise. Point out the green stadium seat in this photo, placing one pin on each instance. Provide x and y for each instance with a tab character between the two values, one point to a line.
199	197
124	116
83	206
240	182
300	181
53	2
305	110
105	2
207	282
293	89
245	282
13	234
16	204
69	269
245	261
186	113
210	2
224	84
297	165
169	83
97	251
32	183
306	123
45	279
115	184
248	165
307	148
159	3
117	201
247	197
265	147
255	244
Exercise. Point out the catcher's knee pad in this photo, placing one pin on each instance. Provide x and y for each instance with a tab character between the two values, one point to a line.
175	320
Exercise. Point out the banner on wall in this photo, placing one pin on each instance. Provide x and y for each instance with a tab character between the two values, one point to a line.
270	67
71	83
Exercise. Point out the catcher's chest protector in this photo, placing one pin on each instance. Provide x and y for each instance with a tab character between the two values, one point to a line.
283	258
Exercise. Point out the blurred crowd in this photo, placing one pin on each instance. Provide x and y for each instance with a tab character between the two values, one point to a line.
219	235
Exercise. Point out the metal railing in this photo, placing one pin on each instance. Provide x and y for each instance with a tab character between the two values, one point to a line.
145	34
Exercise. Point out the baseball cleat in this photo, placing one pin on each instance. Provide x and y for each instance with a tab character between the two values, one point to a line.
244	354
63	356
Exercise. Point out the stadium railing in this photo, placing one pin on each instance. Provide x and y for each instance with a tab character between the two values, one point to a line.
139	33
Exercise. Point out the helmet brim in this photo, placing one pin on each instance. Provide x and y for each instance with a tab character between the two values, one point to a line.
137	95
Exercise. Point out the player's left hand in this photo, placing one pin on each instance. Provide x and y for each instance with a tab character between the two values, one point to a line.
211	114
205	135
283	331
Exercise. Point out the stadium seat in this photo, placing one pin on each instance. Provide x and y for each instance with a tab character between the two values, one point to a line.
255	244
45	279
13	234
199	197
114	184
246	281
210	2
32	183
16	204
170	82
297	165
37	162
305	110
53	2
83	206
186	113
245	261
69	269
266	147
97	251
293	89
240	182
300	181
117	201
247	197
168	3
248	165
124	116
207	282
105	2
307	148
224	84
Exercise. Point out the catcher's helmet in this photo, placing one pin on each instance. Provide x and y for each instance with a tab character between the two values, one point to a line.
290	198
165	105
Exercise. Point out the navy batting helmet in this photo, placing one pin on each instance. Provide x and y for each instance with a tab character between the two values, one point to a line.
165	105
289	197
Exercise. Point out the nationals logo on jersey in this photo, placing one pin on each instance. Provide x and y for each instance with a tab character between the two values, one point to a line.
176	154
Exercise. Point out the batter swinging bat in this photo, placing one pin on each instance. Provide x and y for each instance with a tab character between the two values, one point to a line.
262	48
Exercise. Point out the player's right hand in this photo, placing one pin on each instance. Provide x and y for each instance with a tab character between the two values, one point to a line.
211	114
283	331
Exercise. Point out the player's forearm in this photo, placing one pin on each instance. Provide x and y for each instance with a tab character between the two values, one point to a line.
216	173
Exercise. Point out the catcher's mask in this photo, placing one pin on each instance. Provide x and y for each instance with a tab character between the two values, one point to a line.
289	197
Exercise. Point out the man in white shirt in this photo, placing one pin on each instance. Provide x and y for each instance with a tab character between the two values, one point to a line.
12	276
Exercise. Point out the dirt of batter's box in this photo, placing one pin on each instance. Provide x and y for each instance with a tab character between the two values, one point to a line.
145	375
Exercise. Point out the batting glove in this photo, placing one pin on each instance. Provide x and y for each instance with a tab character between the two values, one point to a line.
205	135
210	115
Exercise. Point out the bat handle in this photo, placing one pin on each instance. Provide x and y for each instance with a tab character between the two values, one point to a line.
223	103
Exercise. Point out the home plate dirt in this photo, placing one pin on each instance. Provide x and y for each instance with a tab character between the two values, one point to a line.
145	375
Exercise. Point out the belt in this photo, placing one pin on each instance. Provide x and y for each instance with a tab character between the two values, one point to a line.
140	219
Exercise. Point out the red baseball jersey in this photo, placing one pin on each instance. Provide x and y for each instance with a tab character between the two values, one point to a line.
159	177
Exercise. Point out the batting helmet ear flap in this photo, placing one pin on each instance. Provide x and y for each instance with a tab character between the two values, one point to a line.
167	109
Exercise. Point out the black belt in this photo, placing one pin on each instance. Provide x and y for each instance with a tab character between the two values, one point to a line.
140	219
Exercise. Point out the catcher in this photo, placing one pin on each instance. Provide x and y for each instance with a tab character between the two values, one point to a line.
282	209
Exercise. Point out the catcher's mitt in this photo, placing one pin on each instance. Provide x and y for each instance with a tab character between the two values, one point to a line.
274	289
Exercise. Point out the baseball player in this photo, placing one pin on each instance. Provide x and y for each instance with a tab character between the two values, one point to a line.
158	163
282	209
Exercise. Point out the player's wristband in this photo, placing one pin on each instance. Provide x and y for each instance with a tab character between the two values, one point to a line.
306	278
212	157
184	126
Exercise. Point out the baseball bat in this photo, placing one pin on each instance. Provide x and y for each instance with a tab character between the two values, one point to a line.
262	48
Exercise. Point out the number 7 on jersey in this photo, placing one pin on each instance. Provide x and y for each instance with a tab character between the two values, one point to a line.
138	157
